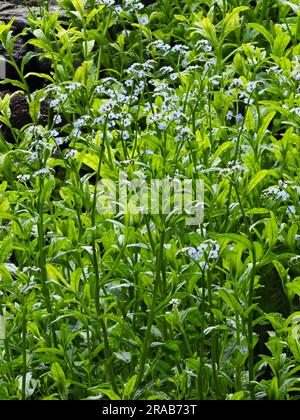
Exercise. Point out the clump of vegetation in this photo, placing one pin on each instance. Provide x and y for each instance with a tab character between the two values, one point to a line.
97	305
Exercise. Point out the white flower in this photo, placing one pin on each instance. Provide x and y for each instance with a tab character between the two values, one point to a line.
251	86
23	177
144	20
162	126
54	133
195	254
42	171
204	45
54	103
213	254
71	153
106	2
203	265
175	303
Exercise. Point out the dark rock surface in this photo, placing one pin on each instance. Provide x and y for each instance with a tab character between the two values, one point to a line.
18	10
20	115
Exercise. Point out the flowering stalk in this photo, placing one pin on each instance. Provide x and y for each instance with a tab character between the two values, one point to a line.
205	255
250	301
107	350
42	256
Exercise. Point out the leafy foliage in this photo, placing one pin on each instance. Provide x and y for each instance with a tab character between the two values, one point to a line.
118	306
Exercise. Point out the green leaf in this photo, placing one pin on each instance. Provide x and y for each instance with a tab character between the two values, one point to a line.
42	44
83	71
240	395
249	120
257	210
79	6
27	57
57	373
41	75
263	31
93	13
271	230
129	388
295	7
232	20
264	126
4	274
209	30
231	300
14	83
294	286
283	274
291	236
221	149
92	161
280	270
75	279
86	299
260	176
55	275
109	393
47	190
235	237
5	249
280	43
273	391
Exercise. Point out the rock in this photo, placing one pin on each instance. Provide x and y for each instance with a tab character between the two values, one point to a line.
17	10
20	114
19	111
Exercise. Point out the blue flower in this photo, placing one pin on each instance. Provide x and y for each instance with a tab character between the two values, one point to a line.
239	118
229	115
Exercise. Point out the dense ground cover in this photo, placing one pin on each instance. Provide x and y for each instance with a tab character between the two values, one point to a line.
147	306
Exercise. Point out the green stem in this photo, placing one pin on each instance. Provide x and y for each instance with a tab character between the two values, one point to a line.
214	357
159	267
42	258
107	350
200	379
24	359
250	340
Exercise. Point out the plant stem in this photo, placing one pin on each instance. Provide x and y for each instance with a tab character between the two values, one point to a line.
42	258
202	342
107	351
159	267
24	357
250	301
213	335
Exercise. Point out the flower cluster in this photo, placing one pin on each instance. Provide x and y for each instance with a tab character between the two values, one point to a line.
205	253
238	117
204	45
278	191
233	167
